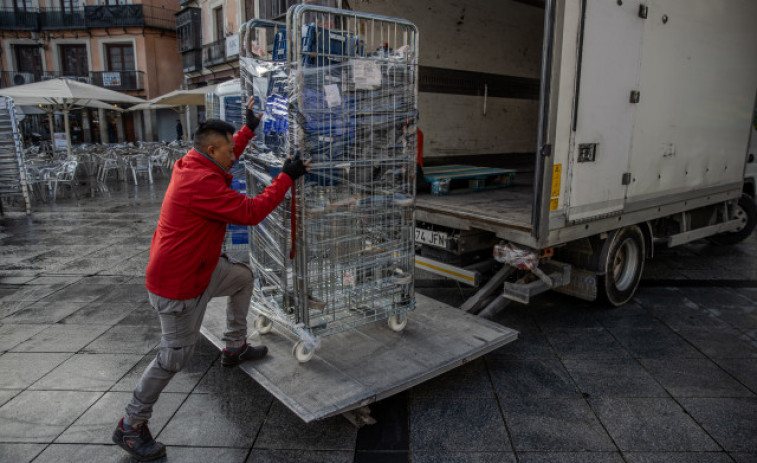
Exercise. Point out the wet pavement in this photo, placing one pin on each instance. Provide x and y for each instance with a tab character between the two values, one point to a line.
670	377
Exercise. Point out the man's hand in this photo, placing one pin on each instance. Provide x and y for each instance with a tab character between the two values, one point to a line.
252	121
296	169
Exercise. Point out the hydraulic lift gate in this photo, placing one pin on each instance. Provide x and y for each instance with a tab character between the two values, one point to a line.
358	367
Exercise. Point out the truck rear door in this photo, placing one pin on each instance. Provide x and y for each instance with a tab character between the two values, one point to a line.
608	73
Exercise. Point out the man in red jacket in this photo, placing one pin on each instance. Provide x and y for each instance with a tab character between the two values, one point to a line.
186	267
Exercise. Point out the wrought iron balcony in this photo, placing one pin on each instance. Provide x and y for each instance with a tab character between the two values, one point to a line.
11	19
214	53
48	75
118	80
14	78
191	60
56	18
130	15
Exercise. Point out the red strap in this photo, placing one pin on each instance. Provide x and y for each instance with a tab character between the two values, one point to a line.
294	222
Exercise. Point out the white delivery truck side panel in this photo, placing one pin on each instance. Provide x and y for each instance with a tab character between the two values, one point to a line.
604	115
698	83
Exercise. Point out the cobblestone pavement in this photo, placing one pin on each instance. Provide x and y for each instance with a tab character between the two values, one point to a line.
670	377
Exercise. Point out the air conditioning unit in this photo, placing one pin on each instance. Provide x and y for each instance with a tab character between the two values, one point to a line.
22	78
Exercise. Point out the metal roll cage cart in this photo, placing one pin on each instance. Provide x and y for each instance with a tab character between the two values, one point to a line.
13	180
339	88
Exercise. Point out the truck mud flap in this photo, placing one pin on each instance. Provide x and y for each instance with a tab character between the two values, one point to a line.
360	366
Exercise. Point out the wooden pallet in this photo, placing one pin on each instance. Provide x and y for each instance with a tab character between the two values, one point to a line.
456	178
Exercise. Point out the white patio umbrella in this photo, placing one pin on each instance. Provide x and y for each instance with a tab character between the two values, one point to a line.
185	99
66	94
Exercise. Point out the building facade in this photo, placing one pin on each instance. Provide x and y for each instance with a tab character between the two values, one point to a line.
127	46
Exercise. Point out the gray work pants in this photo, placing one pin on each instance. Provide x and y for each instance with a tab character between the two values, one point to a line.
180	321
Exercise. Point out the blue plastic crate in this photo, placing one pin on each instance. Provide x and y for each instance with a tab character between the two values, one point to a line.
336	44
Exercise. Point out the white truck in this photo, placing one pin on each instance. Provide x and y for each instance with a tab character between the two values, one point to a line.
628	120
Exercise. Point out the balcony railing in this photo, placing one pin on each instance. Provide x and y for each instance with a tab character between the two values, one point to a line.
88	17
118	80
14	78
48	75
214	53
11	19
113	80
191	60
56	18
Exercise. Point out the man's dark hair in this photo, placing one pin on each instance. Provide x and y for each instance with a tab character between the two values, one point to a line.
206	130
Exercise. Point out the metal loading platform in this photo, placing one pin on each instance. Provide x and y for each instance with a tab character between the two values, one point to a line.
361	366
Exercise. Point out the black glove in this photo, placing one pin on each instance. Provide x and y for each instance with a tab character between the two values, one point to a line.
252	120
294	169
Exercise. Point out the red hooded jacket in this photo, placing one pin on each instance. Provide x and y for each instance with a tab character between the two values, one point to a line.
197	206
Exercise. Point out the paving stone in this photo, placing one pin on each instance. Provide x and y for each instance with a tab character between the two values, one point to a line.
82	453
569	457
382	457
655	342
651	425
54	279
531	344
61	338
10	307
219	379
468	381
530	378
631	315
742	457
280	425
126	340
142	315
730	421
88	372
40	416
554	425
717	342
33	293
463	457
43	312
101	260
567	318
127	292
20	453
653	298
457	424
217	420
184	381
677	457
96	425
715	297
300	456
11	335
613	378
100	313
8	394
11	280
694	378
585	343
21	370
80	292
745	370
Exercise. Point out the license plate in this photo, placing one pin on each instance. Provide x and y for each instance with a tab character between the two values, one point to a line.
432	238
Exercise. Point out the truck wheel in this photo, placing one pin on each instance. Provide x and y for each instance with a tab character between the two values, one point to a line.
746	211
622	263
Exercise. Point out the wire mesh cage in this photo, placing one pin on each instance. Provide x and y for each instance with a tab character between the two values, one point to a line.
13	174
339	88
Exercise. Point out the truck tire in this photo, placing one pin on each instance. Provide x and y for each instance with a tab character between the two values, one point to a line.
746	210
622	261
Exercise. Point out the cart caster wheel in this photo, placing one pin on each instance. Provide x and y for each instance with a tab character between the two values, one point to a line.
302	352
263	324
397	322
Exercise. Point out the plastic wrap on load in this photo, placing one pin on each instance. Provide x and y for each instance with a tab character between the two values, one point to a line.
516	257
348	224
